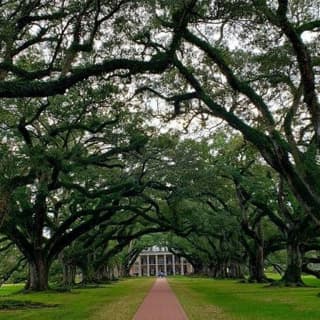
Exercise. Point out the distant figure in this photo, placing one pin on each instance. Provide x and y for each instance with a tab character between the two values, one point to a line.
161	274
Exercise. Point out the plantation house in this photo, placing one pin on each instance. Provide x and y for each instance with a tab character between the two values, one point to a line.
159	260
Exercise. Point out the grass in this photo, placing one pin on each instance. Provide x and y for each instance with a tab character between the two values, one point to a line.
116	301
202	299
16	304
205	299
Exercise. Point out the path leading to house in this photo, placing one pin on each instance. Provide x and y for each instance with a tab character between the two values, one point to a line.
160	304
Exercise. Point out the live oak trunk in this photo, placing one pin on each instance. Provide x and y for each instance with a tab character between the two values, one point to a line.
88	274
4	205
69	274
292	275
256	266
198	267
38	273
69	268
235	271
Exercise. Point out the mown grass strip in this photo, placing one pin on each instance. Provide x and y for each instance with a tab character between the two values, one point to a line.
229	300
116	301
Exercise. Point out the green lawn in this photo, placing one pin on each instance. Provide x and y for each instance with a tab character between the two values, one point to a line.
117	301
202	299
205	299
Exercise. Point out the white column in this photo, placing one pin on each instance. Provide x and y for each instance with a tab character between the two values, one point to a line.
173	265
165	263
139	259
148	266
181	265
157	271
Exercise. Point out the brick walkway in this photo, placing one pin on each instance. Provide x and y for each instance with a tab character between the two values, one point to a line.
160	304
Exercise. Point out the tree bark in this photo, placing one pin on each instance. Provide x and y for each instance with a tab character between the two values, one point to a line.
69	274
292	275
38	279
256	266
198	267
88	274
4	205
235	271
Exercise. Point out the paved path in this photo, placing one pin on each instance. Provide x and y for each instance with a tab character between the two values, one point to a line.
160	304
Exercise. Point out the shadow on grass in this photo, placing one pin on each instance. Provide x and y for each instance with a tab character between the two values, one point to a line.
18	305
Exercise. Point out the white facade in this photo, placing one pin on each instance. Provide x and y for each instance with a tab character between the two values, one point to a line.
158	260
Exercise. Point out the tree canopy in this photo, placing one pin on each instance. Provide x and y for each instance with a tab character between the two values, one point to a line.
83	86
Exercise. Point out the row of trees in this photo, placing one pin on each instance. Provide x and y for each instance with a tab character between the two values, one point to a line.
225	210
74	177
244	214
78	160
